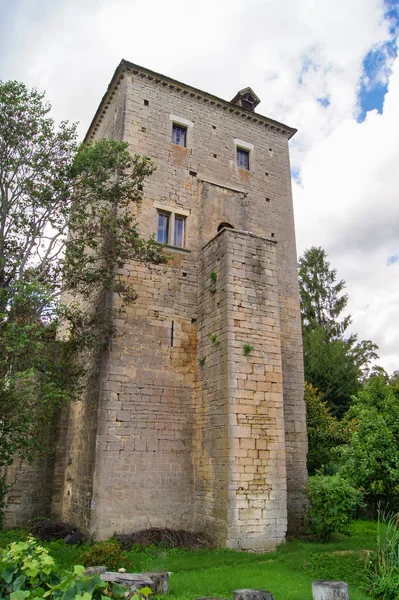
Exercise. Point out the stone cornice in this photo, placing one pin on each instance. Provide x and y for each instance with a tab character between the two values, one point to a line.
126	66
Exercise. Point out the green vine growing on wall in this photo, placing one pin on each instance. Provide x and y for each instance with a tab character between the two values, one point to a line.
214	339
247	349
213	277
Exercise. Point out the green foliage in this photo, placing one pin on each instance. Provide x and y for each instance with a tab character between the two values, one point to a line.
247	349
335	365
213	278
202	361
325	432
332	505
321	299
383	565
65	220
107	553
371	458
28	571
214	339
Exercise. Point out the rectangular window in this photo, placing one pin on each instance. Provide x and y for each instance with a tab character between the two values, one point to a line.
179	134
163	228
242	159
171	229
179	232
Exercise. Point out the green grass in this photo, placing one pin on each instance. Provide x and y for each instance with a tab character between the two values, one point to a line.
287	573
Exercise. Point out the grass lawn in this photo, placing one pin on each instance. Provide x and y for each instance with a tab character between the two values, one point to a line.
287	573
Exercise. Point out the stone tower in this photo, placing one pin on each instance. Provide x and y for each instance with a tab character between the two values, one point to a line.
196	418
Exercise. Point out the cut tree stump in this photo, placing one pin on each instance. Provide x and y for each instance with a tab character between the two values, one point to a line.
160	581
330	590
132	580
252	595
98	570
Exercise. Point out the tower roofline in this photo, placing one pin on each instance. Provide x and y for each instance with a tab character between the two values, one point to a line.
126	66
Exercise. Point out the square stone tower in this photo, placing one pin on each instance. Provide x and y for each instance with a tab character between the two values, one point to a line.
195	418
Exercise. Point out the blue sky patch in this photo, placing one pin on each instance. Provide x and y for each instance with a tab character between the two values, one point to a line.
307	64
296	175
324	101
392	259
373	85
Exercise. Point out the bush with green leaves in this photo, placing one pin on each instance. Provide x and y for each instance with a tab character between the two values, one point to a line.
325	432
371	458
107	553
383	565
332	505
28	571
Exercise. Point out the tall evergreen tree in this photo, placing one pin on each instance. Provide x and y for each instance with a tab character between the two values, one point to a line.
322	301
334	364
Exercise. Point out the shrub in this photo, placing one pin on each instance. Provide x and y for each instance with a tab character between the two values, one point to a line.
332	505
107	553
383	565
27	571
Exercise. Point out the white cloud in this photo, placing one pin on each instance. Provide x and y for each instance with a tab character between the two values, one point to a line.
348	203
293	53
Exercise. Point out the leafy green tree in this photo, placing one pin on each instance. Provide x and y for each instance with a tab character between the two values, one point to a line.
337	367
325	432
371	458
65	225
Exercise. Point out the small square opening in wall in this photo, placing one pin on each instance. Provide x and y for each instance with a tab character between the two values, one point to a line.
267	199
146	103
243	159
179	135
215	156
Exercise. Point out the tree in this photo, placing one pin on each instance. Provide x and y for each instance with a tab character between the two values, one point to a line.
334	364
371	458
325	432
321	300
65	224
337	367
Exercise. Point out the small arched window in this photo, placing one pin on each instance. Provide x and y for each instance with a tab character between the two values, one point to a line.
223	225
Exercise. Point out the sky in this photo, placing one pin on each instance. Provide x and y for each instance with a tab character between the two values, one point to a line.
328	68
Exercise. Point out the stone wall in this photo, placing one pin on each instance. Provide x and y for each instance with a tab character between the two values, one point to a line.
239	436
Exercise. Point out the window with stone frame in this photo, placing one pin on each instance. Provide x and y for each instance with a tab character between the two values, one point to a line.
179	135
171	229
243	159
